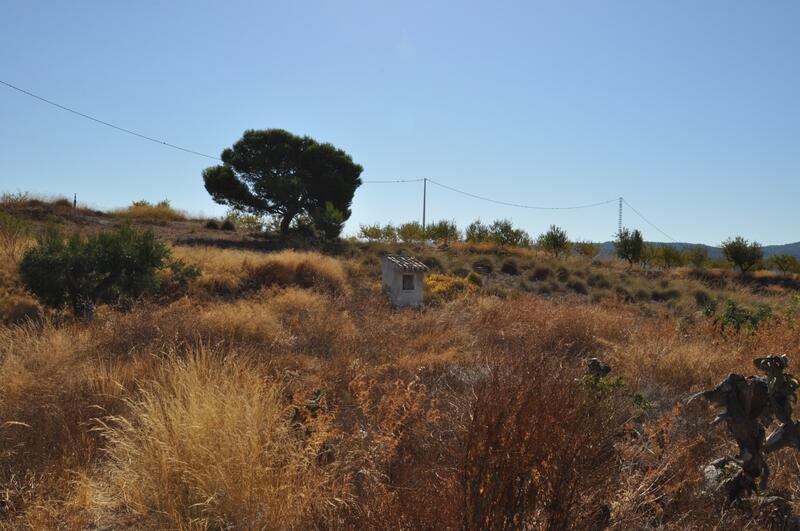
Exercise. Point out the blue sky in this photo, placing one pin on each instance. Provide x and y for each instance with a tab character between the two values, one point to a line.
690	110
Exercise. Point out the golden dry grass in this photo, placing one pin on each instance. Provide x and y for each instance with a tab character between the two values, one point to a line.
209	444
226	271
141	210
196	413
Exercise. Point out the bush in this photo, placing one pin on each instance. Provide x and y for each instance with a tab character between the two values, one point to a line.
484	266
587	249
212	224
562	273
510	267
14	235
102	268
578	286
228	225
597	280
738	317
446	286
540	273
145	210
702	298
474	278
328	220
290	268
209	445
246	222
665	295
433	263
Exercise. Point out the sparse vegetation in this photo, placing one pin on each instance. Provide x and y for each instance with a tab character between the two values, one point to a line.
278	389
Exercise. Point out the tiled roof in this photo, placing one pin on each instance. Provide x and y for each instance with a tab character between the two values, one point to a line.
406	263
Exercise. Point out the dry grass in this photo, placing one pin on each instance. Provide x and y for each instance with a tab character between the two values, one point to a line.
228	271
209	444
467	414
143	210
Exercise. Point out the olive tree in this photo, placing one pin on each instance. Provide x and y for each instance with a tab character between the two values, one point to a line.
742	253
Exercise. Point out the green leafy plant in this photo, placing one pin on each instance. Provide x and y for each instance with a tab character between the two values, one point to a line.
554	241
629	246
742	253
275	173
14	235
587	249
80	272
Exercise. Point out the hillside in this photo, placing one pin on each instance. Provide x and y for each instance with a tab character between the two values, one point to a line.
279	389
792	249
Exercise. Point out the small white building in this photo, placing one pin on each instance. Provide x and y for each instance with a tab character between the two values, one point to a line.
403	278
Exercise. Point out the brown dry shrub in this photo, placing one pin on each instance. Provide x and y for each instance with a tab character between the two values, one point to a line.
284	320
532	325
209	444
540	451
229	271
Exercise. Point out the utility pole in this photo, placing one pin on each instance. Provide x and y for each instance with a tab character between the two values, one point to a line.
75	201
424	200
619	226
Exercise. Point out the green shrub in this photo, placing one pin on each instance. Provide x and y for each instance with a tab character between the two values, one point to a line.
80	272
460	271
14	235
540	273
738	317
212	224
623	294
665	295
228	225
246	222
702	298
597	280
578	286
562	274
510	267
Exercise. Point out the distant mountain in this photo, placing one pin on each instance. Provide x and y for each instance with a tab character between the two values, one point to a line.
793	249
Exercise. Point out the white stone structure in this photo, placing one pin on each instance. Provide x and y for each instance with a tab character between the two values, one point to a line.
403	278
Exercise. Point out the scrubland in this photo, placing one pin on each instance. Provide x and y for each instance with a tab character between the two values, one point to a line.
282	392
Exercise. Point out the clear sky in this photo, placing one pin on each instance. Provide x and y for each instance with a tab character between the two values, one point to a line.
690	110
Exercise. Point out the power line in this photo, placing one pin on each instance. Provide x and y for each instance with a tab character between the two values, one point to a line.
395	181
118	128
518	205
649	222
468	194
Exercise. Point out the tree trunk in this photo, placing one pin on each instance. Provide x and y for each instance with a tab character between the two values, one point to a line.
284	227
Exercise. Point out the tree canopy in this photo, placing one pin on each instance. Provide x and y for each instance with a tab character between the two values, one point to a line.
742	253
554	241
274	172
629	246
